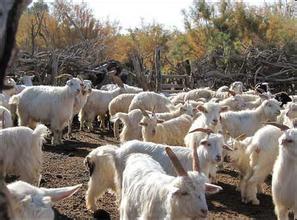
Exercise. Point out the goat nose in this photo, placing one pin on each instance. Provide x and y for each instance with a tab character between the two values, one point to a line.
204	211
215	120
219	158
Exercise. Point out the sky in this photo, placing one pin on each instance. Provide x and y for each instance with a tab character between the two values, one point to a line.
130	12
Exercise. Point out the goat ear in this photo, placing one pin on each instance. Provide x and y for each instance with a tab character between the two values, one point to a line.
142	124
224	109
160	120
57	194
211	188
174	191
241	137
201	109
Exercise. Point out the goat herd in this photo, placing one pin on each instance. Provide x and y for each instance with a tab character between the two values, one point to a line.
171	146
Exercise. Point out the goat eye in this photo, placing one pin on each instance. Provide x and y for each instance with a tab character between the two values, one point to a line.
209	144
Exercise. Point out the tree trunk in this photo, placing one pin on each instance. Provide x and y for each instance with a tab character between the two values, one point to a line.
11	11
140	77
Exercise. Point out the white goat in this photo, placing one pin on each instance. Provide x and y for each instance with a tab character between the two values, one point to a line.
30	202
249	121
97	104
131	127
262	152
237	87
171	132
120	103
21	151
284	176
6	118
150	101
48	104
80	101
149	193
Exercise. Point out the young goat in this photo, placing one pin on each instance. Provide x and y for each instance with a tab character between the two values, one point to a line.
249	121
208	119
171	132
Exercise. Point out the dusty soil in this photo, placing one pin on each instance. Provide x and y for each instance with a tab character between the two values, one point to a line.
63	166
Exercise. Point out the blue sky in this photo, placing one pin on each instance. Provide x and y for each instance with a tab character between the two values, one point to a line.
130	12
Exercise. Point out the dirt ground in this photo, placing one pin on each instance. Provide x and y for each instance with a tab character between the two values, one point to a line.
63	166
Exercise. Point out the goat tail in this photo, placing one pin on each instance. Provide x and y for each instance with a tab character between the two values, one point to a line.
15	99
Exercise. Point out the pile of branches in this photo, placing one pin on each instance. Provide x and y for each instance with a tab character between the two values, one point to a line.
79	59
278	67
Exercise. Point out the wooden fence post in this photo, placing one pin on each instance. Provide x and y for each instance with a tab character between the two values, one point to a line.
158	69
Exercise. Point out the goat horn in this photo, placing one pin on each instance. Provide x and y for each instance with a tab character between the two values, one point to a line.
143	112
154	108
175	162
232	92
196	166
280	126
204	130
80	77
241	137
64	75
